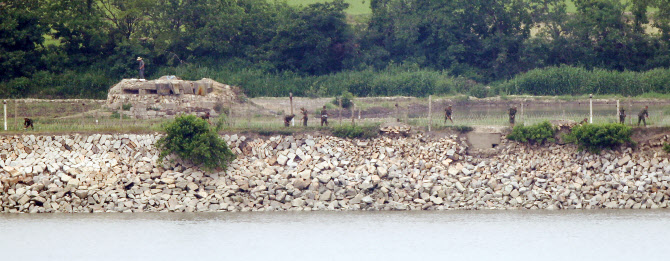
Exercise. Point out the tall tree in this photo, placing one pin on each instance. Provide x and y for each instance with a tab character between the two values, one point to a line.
21	37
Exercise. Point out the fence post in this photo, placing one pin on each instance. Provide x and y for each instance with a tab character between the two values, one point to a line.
521	118
290	96
591	108
430	111
16	119
353	109
339	117
616	119
4	106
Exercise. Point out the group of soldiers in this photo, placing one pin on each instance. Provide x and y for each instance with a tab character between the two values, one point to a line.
303	111
642	116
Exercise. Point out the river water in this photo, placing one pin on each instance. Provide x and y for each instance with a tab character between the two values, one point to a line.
409	235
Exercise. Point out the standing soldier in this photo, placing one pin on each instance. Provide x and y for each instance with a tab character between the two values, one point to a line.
447	114
141	67
644	113
512	114
622	116
324	116
304	116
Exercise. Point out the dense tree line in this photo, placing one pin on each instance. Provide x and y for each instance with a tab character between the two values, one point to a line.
78	48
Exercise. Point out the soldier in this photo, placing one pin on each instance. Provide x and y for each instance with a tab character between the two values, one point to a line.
447	114
584	121
324	116
622	116
644	113
287	119
28	123
141	67
304	116
206	117
512	114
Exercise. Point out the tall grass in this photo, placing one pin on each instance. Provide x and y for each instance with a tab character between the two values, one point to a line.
566	80
393	81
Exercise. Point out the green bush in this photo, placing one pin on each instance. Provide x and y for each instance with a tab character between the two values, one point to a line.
666	147
347	99
462	128
537	133
595	137
126	106
356	131
191	138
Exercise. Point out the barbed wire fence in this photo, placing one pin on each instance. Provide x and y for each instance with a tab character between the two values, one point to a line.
428	113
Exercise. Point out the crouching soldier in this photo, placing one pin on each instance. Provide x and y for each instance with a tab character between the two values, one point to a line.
28	123
288	119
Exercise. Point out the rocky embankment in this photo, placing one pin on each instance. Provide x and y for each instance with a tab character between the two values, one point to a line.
120	173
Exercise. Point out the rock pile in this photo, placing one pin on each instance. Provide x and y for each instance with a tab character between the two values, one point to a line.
120	173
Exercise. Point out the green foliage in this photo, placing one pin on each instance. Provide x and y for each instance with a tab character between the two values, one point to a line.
191	138
666	147
356	131
347	99
462	128
537	133
567	80
595	137
126	106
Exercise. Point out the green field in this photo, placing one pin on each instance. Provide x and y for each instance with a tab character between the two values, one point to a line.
356	7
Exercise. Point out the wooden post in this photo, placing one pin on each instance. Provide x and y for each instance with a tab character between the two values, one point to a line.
397	112
591	108
521	118
339	117
82	113
353	109
4	106
430	111
16	111
616	118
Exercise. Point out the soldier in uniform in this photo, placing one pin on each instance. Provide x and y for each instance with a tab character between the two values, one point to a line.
512	114
28	123
287	119
324	116
622	116
447	114
304	116
644	113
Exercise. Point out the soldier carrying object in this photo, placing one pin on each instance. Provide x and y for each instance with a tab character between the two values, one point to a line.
512	114
28	123
304	116
622	116
287	119
324	116
644	113
447	114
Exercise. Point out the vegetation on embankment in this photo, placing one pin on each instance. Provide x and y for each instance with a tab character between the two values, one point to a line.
79	48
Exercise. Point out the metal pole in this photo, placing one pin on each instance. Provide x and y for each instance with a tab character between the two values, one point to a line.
590	108
290	96
4	106
16	110
430	111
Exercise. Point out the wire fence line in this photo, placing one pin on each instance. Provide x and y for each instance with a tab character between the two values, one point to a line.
93	115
